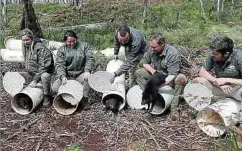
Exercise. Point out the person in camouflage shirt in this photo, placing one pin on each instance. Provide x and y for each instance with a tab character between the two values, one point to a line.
164	59
135	47
74	61
39	63
227	64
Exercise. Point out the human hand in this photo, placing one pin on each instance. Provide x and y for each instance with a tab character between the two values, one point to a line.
32	84
86	75
115	57
226	88
63	80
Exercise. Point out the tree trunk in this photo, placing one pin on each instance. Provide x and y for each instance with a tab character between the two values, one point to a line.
29	19
4	12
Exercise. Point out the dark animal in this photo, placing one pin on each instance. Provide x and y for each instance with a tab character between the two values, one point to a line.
113	103
25	103
150	94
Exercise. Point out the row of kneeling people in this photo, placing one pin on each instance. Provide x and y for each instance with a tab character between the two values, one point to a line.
161	64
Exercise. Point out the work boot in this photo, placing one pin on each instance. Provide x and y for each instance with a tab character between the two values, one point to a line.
46	101
86	104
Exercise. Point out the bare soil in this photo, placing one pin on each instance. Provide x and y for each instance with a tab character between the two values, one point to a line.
95	130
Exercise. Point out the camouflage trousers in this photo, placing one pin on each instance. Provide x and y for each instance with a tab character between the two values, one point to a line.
236	92
45	80
142	76
80	78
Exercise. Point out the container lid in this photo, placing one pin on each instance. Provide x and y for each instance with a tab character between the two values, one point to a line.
197	95
100	81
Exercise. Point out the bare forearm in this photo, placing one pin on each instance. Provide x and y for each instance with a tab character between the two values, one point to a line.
204	73
149	68
233	81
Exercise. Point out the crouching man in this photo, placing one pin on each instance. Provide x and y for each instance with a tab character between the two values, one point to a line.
39	63
227	64
166	60
74	61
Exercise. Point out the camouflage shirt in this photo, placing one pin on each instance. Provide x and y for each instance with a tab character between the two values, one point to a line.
232	68
38	59
71	62
134	50
167	63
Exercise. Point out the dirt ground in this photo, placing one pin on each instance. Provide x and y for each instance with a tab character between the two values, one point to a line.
95	130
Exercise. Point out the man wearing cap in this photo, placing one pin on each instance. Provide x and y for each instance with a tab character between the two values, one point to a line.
227	64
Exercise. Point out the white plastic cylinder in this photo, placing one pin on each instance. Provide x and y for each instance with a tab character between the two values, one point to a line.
12	56
34	96
198	96
167	93
214	119
134	99
118	86
13	44
13	82
68	98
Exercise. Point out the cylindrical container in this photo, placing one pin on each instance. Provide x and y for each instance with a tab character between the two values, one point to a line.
214	119
198	96
134	99
12	56
68	97
13	44
100	81
52	45
14	82
118	86
109	52
31	96
167	94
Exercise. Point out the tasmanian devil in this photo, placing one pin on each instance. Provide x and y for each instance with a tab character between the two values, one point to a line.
150	94
113	103
25	103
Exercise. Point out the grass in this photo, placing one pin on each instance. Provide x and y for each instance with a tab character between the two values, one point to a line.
182	23
73	147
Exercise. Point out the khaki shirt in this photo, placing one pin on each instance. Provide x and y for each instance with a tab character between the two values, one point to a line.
38	59
167	63
134	50
71	62
232	68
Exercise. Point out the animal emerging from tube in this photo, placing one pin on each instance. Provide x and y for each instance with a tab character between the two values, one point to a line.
25	103
113	103
150	94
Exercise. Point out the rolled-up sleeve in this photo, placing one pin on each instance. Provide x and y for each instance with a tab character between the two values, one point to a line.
89	58
45	61
61	62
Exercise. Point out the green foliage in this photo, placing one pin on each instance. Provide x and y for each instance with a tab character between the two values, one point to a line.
73	147
182	23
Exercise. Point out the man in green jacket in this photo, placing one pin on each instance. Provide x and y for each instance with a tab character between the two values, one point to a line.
74	61
227	64
39	62
135	47
164	59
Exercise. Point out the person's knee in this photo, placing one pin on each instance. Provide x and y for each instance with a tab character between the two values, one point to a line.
45	76
181	79
201	80
139	72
